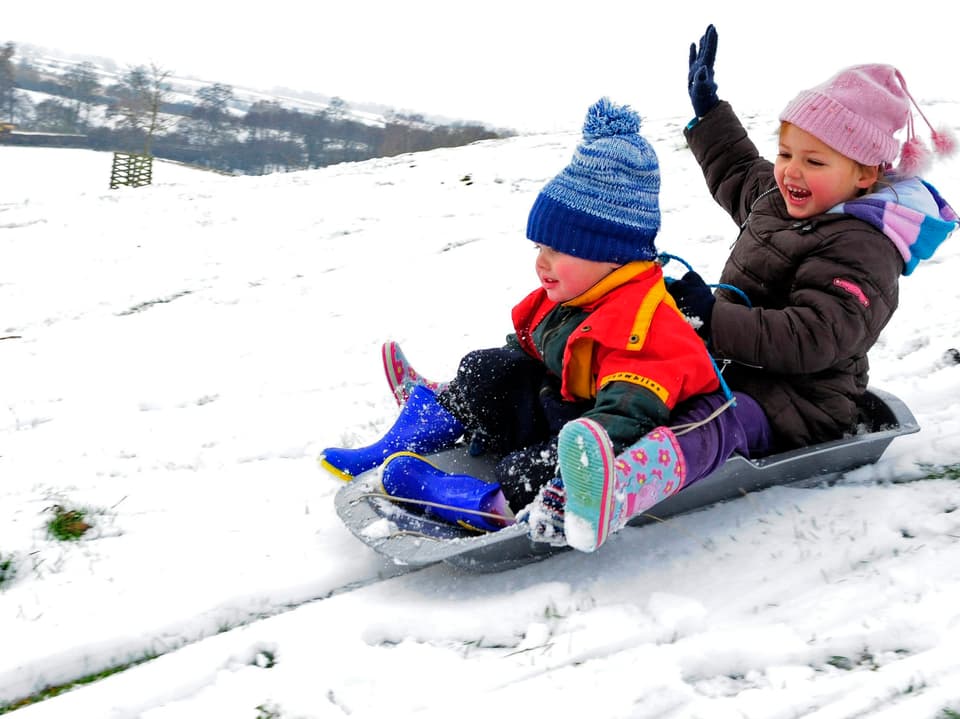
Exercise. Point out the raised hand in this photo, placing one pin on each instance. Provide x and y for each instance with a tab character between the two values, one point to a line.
700	82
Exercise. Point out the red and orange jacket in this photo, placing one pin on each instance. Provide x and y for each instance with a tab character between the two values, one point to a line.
624	333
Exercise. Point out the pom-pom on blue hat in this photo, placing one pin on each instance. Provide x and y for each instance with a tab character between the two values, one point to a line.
605	205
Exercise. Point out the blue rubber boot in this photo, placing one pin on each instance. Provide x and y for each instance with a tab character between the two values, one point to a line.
454	498
423	426
604	490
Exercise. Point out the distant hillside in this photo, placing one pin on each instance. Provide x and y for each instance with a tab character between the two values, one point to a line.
90	102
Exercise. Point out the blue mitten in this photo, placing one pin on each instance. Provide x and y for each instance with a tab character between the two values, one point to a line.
700	82
695	300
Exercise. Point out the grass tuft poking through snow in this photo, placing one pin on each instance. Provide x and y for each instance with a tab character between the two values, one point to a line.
67	525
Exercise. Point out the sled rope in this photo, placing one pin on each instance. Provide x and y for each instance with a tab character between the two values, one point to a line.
723	383
665	257
400	532
411	533
690	426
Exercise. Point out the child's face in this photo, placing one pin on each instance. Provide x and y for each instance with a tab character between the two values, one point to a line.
813	177
565	276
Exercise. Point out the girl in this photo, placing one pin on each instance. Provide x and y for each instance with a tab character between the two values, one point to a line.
826	232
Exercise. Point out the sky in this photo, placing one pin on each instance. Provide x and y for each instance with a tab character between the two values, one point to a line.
178	355
528	66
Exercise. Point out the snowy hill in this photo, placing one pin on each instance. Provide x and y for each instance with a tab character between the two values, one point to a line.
184	85
175	357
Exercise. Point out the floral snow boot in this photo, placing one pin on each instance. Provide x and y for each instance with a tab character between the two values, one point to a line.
603	490
401	377
455	498
422	426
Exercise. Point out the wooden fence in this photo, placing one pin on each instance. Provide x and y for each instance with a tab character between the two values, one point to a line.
131	170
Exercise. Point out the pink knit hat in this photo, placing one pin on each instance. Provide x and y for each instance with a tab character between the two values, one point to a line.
858	111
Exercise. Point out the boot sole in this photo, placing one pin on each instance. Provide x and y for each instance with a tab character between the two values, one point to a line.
335	471
587	470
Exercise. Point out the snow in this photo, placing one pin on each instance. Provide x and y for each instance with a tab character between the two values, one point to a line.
179	354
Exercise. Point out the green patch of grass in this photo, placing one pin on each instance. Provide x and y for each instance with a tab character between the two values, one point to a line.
67	524
949	714
268	711
865	660
58	689
933	471
8	569
841	662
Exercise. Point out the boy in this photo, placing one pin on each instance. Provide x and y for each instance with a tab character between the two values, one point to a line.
600	338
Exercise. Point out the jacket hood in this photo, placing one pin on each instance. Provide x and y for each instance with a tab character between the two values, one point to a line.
910	213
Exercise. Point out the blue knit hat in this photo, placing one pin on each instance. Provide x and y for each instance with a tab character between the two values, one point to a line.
604	205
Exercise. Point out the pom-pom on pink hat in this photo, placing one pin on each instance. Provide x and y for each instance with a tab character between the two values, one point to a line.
858	111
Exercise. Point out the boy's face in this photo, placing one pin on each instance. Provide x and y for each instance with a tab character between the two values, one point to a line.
813	177
565	276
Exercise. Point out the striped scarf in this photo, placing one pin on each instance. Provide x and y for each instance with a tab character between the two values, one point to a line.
911	213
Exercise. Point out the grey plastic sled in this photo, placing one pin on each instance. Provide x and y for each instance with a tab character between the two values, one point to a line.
411	539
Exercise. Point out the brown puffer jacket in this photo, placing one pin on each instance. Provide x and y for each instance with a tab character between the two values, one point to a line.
821	290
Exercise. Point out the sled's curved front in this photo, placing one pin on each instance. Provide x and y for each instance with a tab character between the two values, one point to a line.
411	539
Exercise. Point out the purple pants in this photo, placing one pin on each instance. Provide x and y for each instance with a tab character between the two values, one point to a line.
740	429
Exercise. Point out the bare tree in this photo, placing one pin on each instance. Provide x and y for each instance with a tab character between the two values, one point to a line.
54	116
7	86
23	109
211	115
337	109
81	81
140	97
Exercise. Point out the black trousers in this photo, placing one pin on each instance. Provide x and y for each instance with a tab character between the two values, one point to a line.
511	407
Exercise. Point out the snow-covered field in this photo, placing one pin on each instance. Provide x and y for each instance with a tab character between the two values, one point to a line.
174	357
